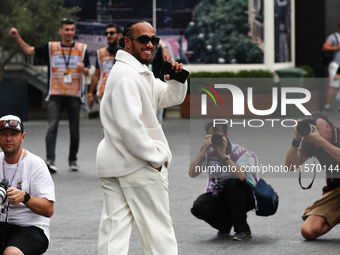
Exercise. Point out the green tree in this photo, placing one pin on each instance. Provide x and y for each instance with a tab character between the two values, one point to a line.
36	20
219	33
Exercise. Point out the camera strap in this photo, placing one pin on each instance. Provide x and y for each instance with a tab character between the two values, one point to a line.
300	171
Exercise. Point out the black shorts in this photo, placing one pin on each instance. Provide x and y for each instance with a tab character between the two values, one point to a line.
30	240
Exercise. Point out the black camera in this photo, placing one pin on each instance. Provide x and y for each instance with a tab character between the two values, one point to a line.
304	127
217	139
3	188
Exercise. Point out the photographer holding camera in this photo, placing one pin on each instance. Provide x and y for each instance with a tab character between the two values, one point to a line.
322	142
26	193
229	193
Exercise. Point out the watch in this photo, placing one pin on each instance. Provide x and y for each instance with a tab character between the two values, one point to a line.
227	157
27	198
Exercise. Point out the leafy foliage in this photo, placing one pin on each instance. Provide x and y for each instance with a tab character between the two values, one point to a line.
219	33
36	20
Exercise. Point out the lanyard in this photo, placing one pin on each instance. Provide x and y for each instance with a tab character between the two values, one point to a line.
16	169
69	55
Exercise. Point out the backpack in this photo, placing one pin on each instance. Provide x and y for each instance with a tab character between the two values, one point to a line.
329	55
267	199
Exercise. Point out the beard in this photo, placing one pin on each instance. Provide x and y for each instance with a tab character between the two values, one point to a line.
112	47
137	54
144	61
12	151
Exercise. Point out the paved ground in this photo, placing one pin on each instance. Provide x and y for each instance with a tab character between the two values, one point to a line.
74	225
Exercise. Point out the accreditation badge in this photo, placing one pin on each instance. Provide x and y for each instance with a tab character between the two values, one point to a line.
67	78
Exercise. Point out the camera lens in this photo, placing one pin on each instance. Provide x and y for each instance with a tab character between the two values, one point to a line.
2	195
304	128
217	139
3	188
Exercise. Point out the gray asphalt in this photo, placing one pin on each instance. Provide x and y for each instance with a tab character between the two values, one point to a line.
74	225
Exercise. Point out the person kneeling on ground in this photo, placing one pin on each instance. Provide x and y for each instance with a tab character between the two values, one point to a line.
324	144
229	194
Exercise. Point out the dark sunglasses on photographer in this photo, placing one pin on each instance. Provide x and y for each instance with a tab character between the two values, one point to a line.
144	39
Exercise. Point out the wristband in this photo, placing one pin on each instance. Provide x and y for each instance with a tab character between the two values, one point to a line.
227	157
90	95
296	143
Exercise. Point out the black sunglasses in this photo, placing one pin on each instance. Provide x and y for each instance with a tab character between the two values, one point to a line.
144	39
111	33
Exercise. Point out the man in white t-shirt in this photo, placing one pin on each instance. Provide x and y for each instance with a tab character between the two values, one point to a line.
28	203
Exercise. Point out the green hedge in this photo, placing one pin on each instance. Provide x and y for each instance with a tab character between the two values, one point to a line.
309	71
309	82
239	74
260	86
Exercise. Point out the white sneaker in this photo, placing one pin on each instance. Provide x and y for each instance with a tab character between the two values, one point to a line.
73	166
51	167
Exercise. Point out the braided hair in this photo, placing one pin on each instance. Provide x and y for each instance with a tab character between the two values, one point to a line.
127	31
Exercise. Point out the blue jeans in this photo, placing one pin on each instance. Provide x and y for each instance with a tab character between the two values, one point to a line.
56	105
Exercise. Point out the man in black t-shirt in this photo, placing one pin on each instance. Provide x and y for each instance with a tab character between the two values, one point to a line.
324	144
68	62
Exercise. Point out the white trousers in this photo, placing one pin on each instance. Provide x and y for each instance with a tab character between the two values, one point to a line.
141	196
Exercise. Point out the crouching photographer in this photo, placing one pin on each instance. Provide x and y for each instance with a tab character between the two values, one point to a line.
229	193
26	192
318	137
